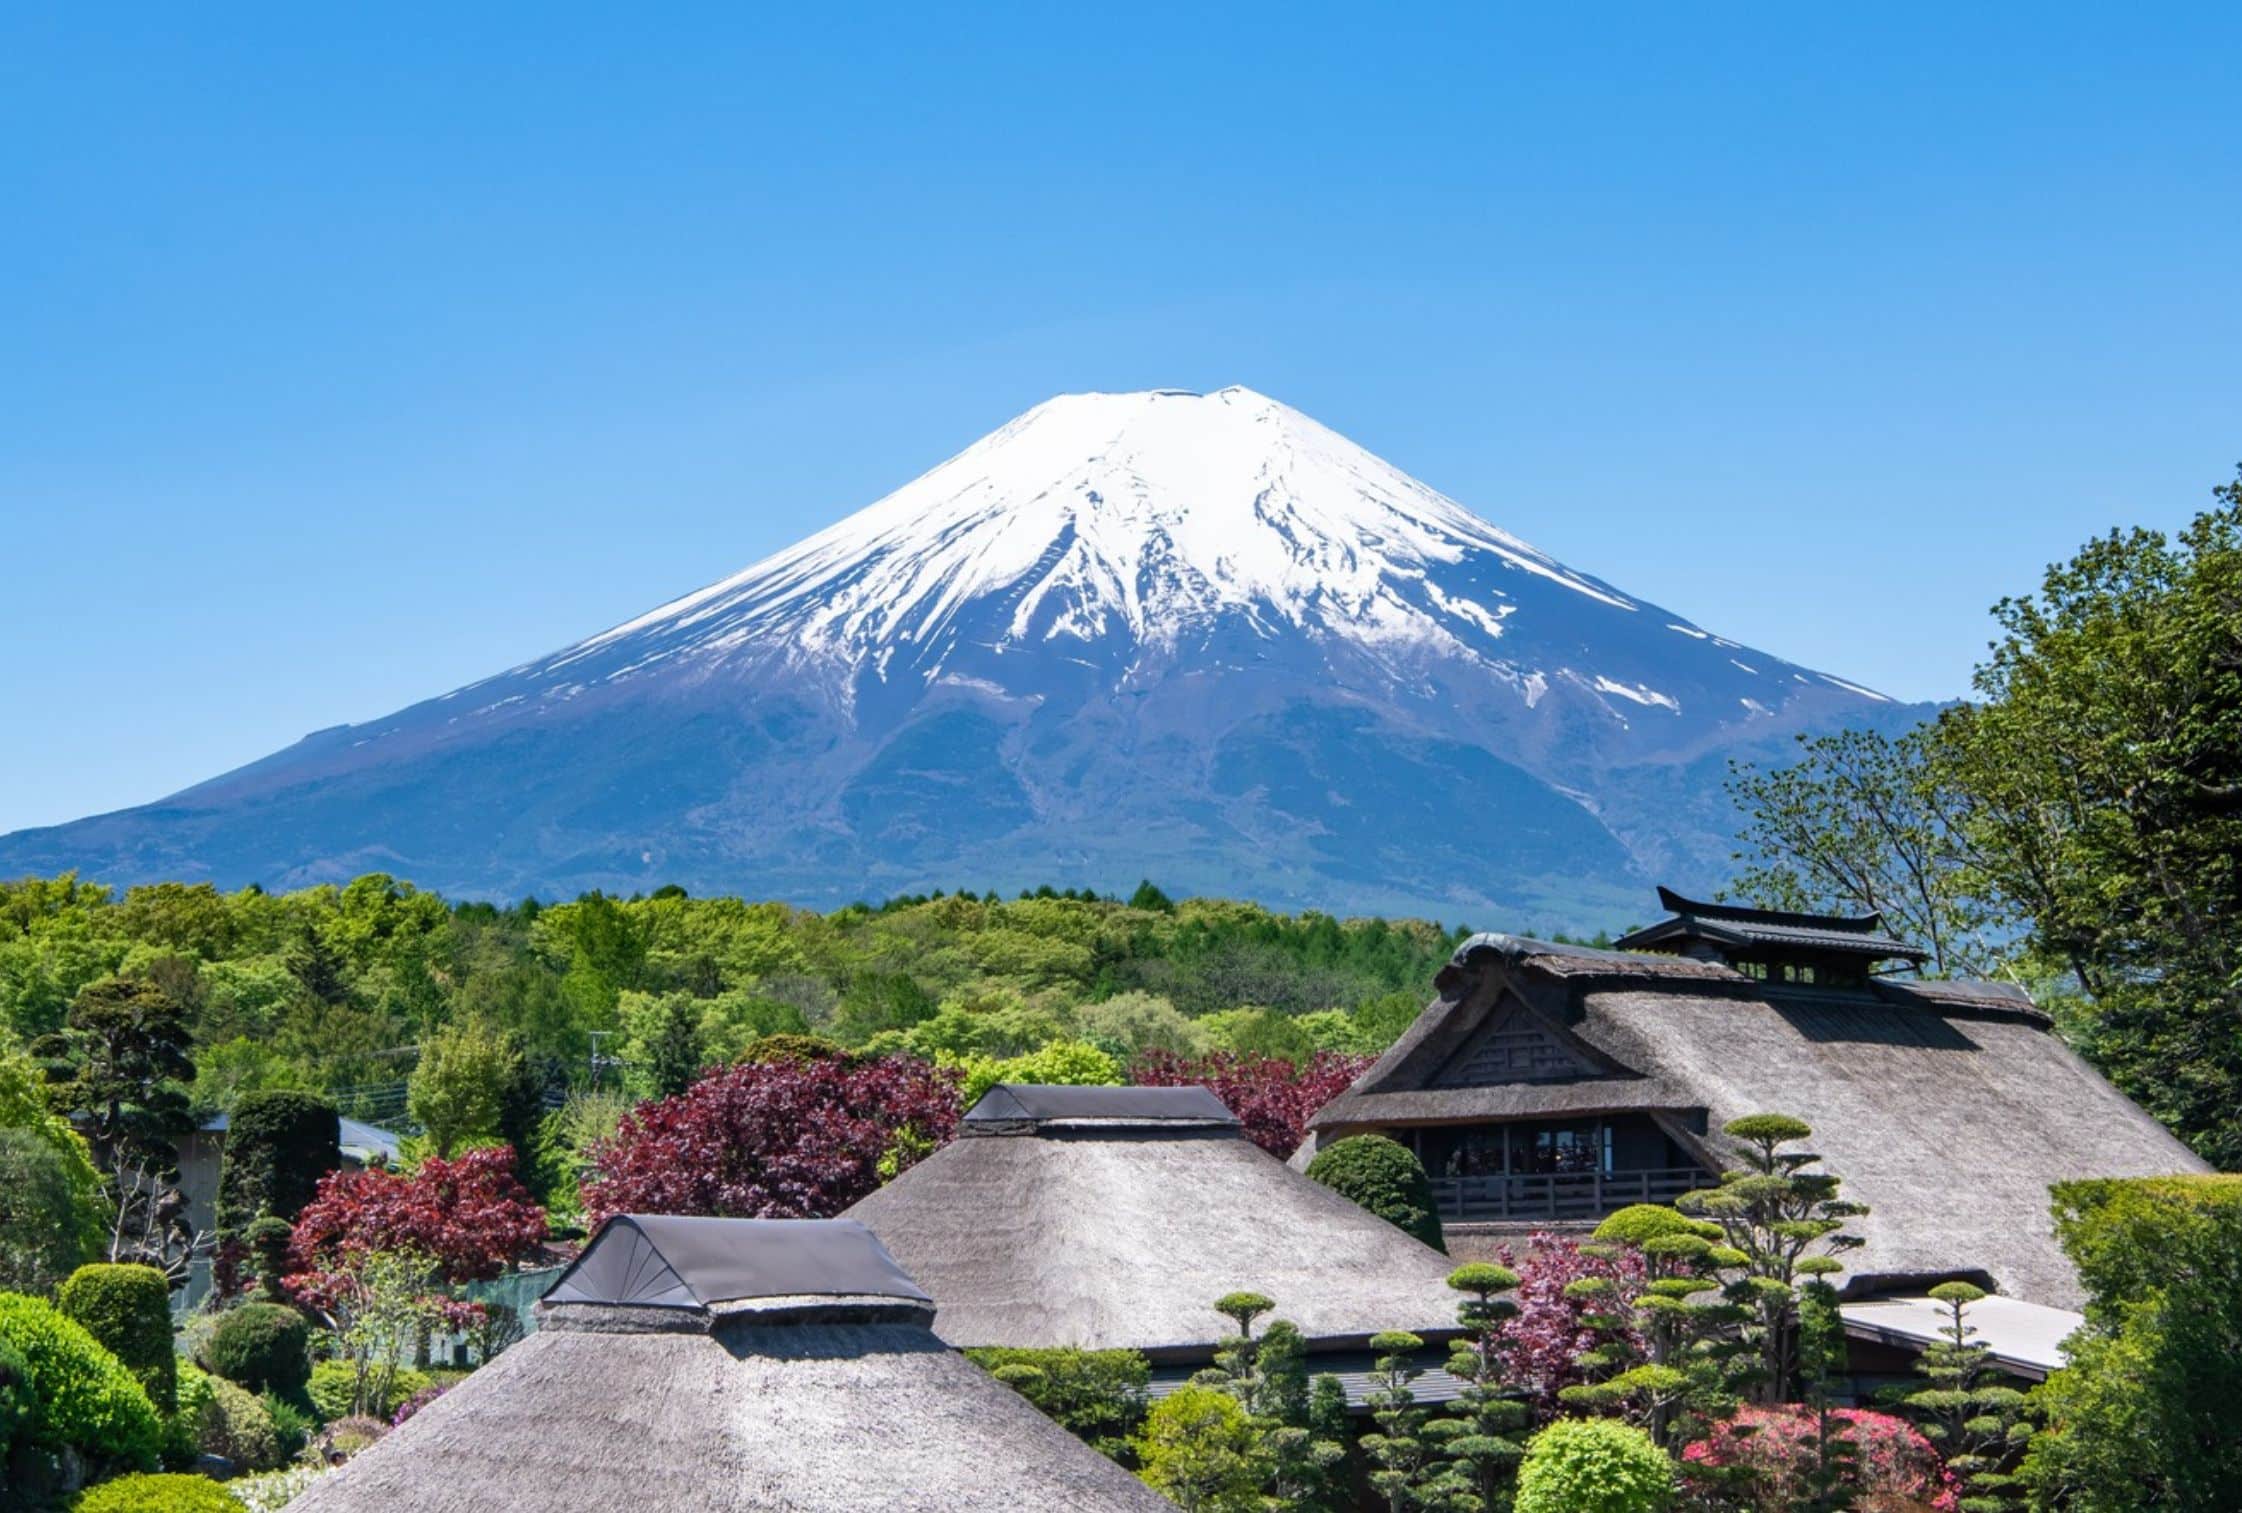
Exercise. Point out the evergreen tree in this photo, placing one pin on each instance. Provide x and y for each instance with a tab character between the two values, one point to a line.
1665	1354
1973	1419
1479	1444
1785	1225
116	1069
677	1053
1397	1449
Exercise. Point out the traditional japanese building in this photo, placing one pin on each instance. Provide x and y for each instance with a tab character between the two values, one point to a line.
742	1365
1548	1085
1113	1217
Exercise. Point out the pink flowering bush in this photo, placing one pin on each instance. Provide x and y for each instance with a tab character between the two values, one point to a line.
1898	1468
1540	1346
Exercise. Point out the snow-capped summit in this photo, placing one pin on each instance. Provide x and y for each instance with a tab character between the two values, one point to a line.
1128	530
1195	636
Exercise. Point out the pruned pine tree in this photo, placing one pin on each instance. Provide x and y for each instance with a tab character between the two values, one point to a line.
1666	1353
1975	1420
1397	1451
1478	1446
1788	1226
1301	1424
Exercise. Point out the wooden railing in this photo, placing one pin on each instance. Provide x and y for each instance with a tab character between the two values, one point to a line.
1561	1195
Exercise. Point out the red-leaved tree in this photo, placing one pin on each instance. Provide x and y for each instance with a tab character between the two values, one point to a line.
774	1139
468	1216
1540	1345
1273	1098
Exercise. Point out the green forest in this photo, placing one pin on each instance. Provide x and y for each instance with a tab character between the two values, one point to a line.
336	989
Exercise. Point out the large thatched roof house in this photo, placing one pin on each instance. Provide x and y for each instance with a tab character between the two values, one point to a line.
730	1365
1112	1218
1553	1083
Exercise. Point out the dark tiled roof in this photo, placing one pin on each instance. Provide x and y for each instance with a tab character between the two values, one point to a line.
1738	927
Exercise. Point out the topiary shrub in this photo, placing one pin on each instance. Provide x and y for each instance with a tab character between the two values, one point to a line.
128	1309
235	1425
333	1383
262	1346
83	1398
169	1492
278	1145
1384	1177
1594	1465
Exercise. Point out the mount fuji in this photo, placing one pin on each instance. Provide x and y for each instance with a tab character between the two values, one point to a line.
1193	637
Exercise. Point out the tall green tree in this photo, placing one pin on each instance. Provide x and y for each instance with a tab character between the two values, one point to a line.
117	1070
459	1090
2081	813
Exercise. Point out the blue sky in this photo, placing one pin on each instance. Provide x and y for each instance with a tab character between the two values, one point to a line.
348	357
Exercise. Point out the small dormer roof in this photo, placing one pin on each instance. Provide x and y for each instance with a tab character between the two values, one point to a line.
674	1261
1732	930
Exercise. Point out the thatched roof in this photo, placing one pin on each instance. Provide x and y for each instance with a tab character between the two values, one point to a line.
1947	1107
1120	1232
816	1404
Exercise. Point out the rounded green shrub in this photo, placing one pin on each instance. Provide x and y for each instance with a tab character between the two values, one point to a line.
83	1397
236	1425
1594	1465
1384	1177
170	1492
262	1346
128	1309
279	1143
332	1383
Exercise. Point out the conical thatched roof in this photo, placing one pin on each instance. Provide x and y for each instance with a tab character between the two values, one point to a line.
656	1387
1947	1107
1113	1218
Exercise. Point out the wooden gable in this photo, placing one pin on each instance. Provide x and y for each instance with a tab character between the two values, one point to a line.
1515	1045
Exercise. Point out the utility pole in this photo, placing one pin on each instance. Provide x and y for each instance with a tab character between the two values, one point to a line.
601	1063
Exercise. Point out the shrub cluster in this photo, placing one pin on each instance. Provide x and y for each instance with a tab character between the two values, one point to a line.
128	1309
334	1383
1096	1395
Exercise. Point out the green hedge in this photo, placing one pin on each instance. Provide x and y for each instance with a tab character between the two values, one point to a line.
1383	1176
278	1145
84	1398
262	1346
1594	1465
128	1309
172	1492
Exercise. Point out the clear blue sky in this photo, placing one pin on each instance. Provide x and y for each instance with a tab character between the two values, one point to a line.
348	357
